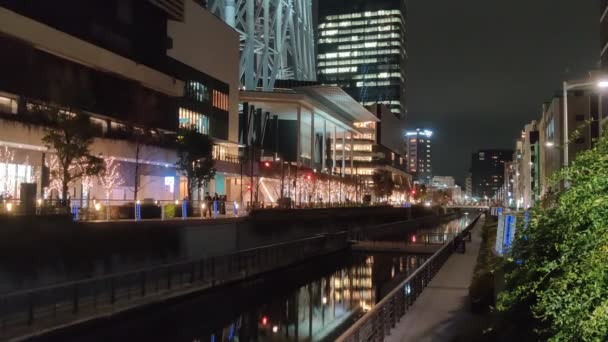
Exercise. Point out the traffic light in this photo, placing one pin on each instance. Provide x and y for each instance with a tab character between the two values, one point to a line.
264	320
249	187
309	177
266	164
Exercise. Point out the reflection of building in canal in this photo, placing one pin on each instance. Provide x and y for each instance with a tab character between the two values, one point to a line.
324	307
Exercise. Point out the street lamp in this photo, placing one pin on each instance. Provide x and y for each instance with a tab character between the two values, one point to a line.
601	83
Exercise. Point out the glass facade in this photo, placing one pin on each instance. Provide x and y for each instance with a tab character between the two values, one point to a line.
190	118
11	177
197	91
365	54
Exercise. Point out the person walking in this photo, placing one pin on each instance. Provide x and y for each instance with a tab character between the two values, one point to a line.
209	203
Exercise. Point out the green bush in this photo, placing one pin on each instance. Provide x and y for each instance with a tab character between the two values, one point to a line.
169	210
557	275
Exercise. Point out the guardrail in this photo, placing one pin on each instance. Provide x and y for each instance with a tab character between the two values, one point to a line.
28	312
376	324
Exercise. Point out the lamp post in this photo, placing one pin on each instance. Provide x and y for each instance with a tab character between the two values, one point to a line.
567	86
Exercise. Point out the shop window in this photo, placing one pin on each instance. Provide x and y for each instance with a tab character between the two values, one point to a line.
11	177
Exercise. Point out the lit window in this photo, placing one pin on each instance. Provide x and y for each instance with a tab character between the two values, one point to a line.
220	100
170	183
197	91
8	105
189	118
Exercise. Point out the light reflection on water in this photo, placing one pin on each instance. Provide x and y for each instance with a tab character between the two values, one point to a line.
325	307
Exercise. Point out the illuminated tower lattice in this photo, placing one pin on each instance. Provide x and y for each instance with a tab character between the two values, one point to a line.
277	39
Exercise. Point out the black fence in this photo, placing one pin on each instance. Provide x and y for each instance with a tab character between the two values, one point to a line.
377	323
26	312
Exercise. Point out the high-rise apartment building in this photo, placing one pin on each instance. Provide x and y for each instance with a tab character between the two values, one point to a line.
362	48
418	154
488	171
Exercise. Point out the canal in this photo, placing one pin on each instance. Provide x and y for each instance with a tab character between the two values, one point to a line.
313	301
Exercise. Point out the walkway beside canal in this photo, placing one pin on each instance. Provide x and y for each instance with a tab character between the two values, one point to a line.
442	313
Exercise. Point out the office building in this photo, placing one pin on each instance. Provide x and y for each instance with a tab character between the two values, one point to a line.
487	172
361	46
419	155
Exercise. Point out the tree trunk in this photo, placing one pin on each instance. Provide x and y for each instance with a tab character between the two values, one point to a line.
190	189
65	190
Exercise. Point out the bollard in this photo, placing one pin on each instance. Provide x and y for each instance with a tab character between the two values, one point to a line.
75	210
162	212
203	210
235	208
137	211
215	212
184	210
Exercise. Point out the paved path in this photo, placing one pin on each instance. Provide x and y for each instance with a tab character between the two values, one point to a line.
441	313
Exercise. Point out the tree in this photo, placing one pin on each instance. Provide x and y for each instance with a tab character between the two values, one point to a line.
70	139
6	183
110	179
383	184
557	273
195	158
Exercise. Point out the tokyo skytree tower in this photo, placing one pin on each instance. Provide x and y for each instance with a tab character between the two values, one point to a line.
277	39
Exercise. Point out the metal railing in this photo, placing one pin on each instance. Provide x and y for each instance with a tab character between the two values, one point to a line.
377	323
23	313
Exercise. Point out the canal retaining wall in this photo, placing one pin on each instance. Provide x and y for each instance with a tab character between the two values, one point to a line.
41	251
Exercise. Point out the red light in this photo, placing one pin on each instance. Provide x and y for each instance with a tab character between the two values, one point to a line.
248	187
414	238
267	164
264	320
309	177
413	192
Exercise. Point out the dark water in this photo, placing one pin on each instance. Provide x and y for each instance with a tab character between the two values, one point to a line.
314	301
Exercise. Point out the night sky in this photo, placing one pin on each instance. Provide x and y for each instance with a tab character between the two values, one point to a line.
481	69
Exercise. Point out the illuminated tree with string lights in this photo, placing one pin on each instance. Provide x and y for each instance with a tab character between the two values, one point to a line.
111	178
6	157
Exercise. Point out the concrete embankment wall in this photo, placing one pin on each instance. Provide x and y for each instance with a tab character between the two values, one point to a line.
46	250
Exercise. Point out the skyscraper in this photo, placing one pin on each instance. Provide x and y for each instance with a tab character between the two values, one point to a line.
418	151
362	49
488	171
